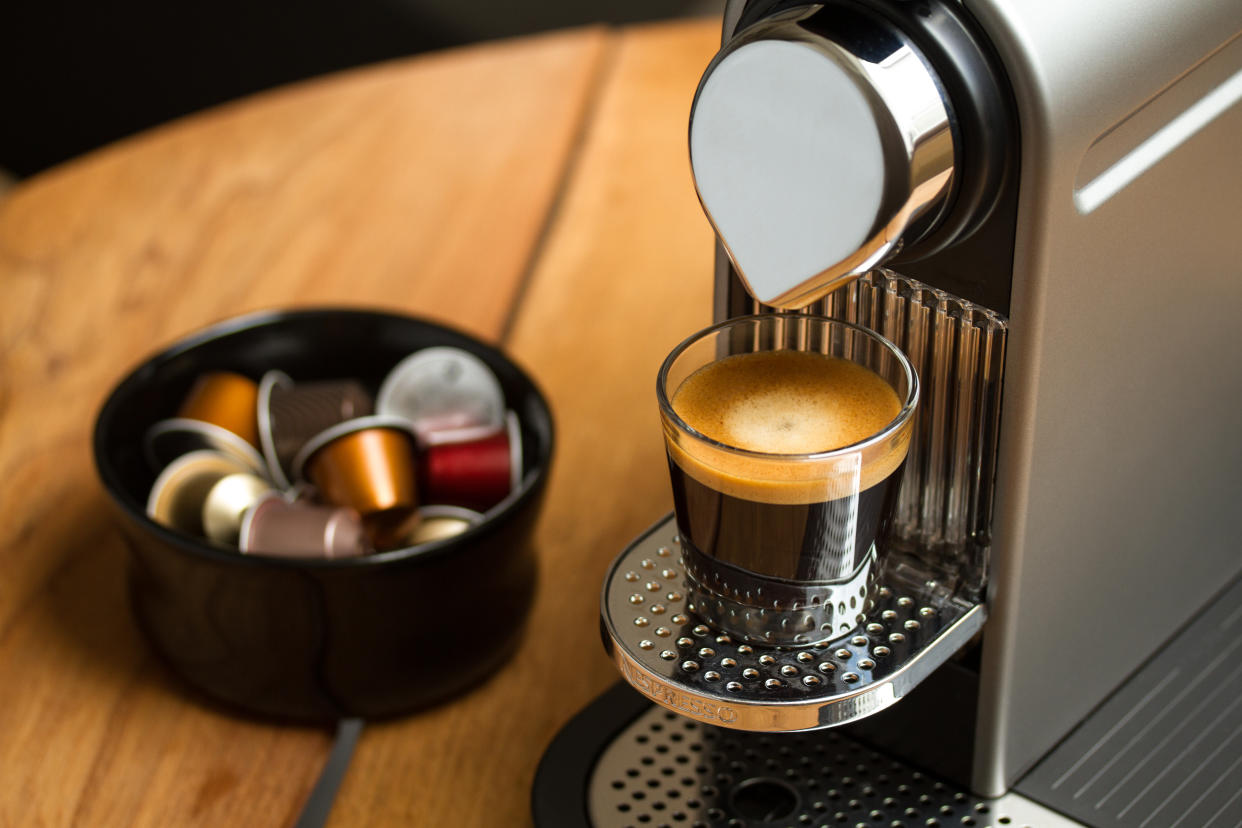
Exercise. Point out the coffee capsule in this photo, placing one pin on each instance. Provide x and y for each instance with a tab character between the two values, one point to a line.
475	473
446	394
291	413
227	502
388	530
276	527
366	464
225	399
177	497
169	439
268	385
301	492
439	523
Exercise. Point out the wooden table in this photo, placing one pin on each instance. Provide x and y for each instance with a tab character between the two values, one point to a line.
533	192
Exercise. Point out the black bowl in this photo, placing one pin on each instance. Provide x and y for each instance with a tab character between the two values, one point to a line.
322	639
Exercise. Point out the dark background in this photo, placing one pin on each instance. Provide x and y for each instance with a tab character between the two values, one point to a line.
77	75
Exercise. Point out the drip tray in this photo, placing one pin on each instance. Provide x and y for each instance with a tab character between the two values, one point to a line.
664	770
698	672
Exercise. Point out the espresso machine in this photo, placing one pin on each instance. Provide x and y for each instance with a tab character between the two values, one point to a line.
1040	203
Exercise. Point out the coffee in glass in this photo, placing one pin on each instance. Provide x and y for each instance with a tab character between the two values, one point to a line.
786	436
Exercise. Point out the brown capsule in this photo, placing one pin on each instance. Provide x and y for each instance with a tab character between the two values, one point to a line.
290	414
389	529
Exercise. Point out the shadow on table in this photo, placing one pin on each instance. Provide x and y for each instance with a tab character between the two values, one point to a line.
81	627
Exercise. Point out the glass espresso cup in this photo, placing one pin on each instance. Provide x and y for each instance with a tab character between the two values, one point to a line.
786	437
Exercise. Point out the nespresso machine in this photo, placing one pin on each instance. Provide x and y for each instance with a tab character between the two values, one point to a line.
1041	204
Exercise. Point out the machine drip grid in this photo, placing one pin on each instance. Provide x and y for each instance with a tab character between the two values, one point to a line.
666	771
678	661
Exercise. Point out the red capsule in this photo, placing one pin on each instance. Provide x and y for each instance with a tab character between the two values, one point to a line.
475	473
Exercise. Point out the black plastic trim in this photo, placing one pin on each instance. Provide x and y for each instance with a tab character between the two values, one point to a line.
558	798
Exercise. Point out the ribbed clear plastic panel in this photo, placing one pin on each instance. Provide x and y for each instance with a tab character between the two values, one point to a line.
944	511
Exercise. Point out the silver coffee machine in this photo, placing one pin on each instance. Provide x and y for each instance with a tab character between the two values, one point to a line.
1041	204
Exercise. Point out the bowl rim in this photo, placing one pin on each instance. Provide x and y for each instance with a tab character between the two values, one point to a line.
507	510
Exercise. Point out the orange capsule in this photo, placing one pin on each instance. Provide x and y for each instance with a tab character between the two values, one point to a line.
227	400
366	464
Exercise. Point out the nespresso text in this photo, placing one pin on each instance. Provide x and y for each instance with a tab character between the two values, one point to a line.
674	699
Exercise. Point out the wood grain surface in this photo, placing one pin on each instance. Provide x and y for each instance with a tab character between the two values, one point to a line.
533	192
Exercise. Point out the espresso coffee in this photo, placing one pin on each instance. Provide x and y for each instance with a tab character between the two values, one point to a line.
764	507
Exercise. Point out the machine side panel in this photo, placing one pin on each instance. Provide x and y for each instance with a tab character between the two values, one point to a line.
1121	456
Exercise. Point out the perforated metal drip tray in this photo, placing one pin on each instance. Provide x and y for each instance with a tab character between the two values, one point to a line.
698	672
665	771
